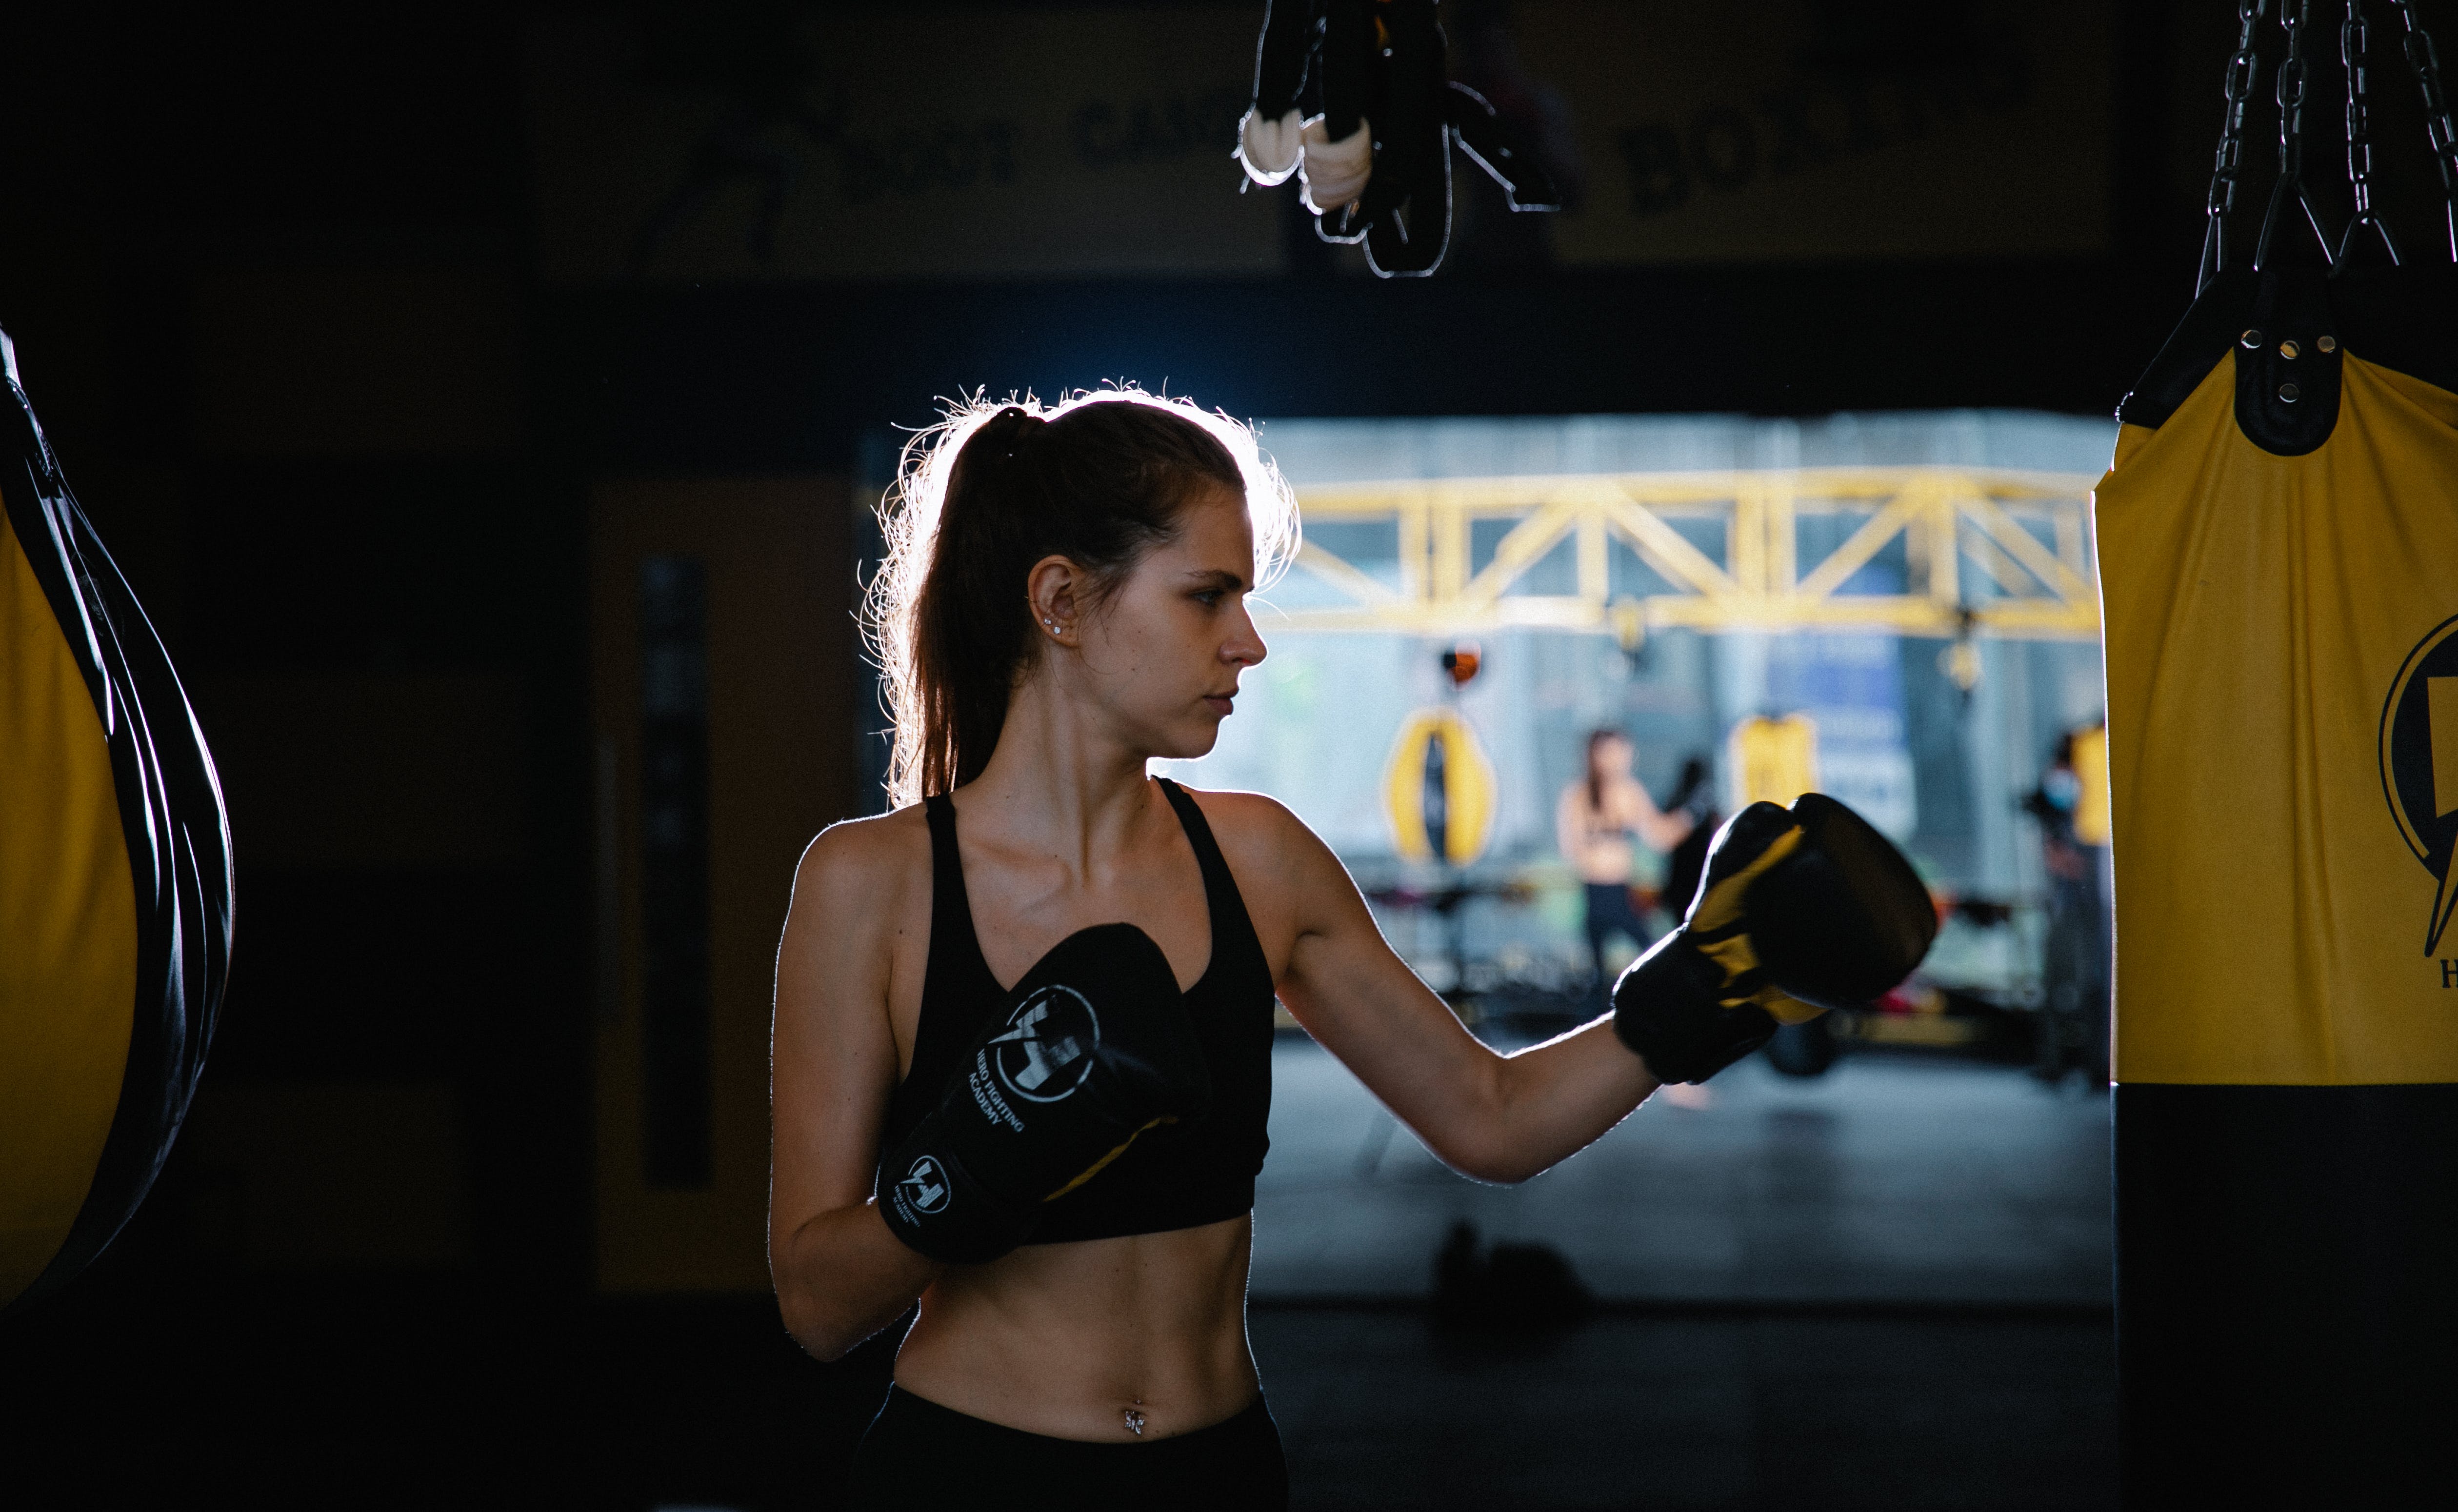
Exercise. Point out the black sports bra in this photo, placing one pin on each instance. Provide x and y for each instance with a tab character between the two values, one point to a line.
1177	1175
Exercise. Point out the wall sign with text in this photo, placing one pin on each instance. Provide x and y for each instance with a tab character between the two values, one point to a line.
751	143
947	142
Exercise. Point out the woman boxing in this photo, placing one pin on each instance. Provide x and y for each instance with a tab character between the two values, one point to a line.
1022	1029
1592	824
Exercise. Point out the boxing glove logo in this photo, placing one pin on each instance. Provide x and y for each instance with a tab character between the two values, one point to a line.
1046	1048
924	1188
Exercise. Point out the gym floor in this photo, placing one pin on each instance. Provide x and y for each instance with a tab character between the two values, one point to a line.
1886	1288
1892	1179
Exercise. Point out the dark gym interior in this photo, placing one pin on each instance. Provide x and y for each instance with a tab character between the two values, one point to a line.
365	407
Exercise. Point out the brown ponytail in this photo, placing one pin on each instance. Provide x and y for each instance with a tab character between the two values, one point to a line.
993	489
1596	739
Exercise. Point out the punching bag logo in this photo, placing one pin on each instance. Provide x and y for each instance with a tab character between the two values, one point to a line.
2419	765
1048	1046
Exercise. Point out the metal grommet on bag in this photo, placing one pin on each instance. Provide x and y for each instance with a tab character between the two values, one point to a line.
2327	345
2251	338
2287	393
2290	350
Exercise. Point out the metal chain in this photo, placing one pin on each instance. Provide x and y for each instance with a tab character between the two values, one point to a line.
2291	92
2292	17
2229	163
2355	42
2353	38
2425	63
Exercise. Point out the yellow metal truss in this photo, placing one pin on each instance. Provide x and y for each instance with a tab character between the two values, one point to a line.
1992	520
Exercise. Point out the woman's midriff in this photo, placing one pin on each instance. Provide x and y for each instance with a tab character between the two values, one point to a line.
1067	1340
1603	860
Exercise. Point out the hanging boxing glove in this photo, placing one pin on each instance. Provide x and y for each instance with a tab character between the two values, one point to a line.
1334	174
1267	133
1344	86
1089	1051
1494	147
1408	204
1800	911
1351	96
1269	148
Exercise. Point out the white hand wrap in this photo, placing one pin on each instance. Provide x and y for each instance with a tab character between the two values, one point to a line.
1335	171
1268	148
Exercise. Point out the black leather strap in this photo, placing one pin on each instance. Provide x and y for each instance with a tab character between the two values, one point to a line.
2402	319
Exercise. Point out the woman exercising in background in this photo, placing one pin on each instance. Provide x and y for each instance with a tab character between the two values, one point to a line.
1023	1033
1594	823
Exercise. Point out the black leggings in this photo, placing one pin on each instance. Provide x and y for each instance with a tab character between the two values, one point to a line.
1610	911
919	1455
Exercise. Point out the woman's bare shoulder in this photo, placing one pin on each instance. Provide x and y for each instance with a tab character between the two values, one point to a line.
1240	808
1256	829
864	869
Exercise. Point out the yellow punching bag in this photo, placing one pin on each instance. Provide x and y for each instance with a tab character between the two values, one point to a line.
115	881
1439	789
2090	815
1775	760
2279	566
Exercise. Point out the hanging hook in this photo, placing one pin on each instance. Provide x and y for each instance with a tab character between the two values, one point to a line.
2292	76
2355	40
2228	163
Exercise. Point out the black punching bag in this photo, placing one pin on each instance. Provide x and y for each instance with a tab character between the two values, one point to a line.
115	881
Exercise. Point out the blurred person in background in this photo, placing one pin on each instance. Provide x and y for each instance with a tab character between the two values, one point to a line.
2070	808
1594	824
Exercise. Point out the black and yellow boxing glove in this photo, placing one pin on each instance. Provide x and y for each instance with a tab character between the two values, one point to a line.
1800	911
1090	1050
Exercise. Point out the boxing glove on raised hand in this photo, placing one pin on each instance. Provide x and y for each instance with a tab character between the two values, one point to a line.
1693	795
1091	1049
1800	911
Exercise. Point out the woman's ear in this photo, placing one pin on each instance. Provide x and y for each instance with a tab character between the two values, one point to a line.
1056	589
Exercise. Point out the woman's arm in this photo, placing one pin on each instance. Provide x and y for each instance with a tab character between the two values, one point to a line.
1658	829
1486	1115
1568	832
840	1275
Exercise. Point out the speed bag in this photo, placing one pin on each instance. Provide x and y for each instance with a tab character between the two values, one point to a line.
115	881
2278	545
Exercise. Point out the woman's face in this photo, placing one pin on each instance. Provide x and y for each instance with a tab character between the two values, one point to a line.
1163	653
1613	758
